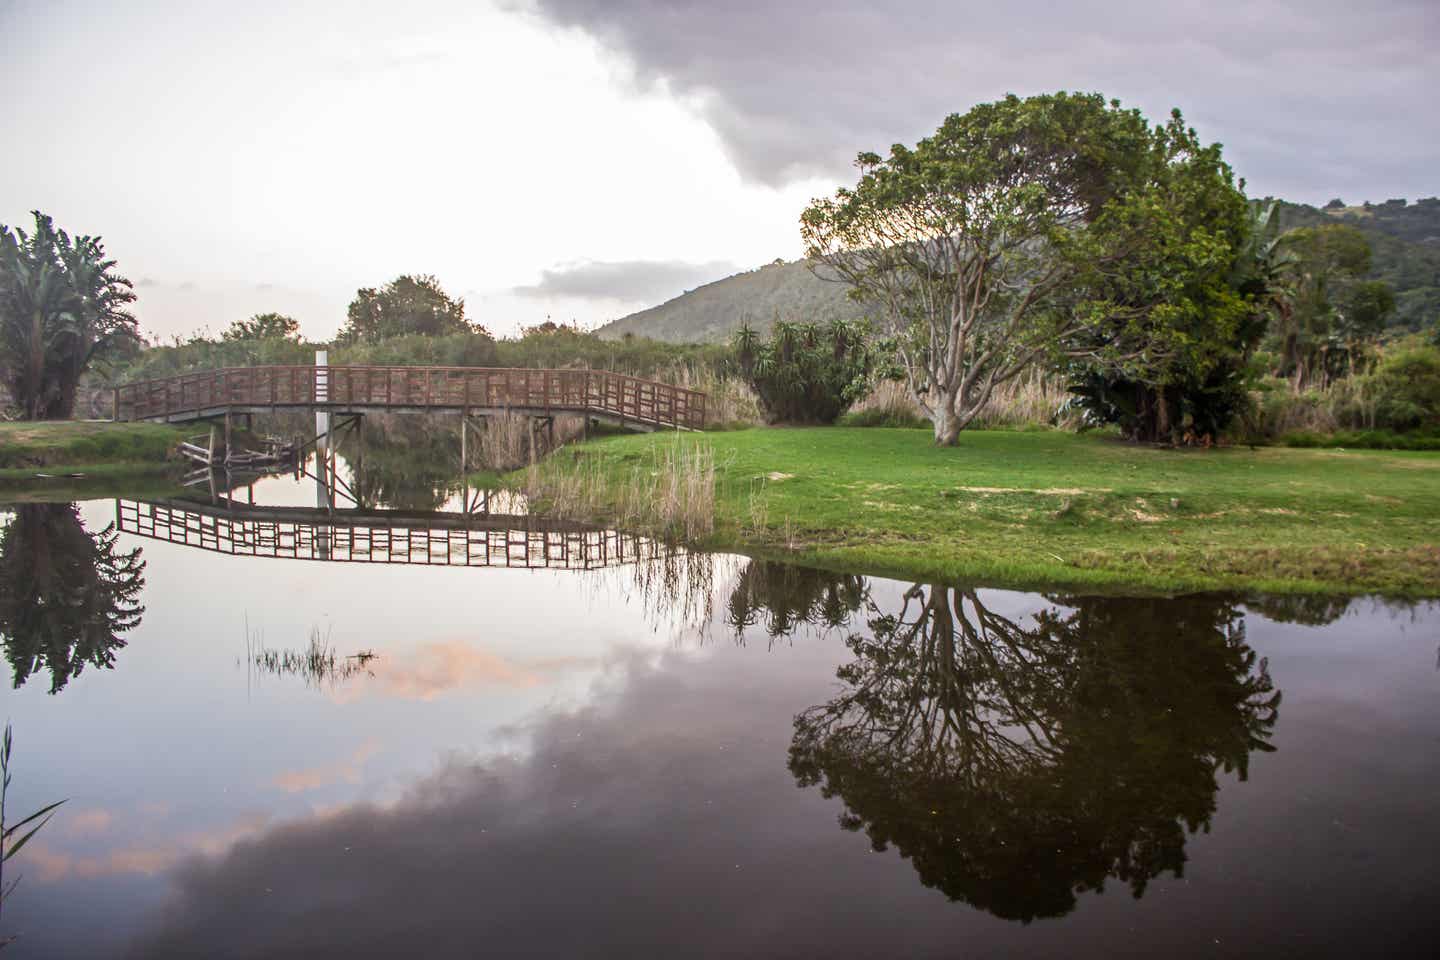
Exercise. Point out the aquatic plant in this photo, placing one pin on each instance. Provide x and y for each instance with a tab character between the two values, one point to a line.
9	846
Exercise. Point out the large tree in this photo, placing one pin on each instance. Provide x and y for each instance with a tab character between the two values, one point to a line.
970	244
62	307
1058	228
1174	321
406	305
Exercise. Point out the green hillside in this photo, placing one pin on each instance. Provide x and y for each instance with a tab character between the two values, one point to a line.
1405	238
714	311
1405	249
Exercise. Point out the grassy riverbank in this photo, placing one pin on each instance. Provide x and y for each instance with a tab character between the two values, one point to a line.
1043	509
92	448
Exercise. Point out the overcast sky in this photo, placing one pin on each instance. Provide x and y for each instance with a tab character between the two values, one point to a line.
581	159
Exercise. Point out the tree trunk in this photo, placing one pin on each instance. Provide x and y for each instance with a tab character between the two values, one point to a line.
947	426
1164	425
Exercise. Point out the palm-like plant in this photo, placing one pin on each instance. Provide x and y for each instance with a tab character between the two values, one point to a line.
62	306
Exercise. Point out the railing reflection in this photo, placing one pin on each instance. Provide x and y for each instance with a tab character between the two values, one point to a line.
409	538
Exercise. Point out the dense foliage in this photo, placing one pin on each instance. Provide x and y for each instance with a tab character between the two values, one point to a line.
406	305
1404	254
806	373
1329	311
1174	319
62	308
1050	227
264	326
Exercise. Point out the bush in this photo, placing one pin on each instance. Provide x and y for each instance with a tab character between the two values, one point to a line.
1405	387
1400	397
806	373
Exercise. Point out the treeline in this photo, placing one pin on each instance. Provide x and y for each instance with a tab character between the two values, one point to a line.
1404	239
412	320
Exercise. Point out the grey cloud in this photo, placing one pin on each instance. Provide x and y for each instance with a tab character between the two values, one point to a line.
630	281
1311	98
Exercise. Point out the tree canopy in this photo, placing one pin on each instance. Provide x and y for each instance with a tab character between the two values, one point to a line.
62	307
406	305
264	326
1053	226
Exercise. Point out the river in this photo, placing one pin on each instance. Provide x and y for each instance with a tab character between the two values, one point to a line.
287	735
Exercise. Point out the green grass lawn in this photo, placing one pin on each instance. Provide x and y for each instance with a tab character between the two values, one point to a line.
81	446
1053	509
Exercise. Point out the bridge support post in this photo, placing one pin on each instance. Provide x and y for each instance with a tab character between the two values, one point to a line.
321	396
229	446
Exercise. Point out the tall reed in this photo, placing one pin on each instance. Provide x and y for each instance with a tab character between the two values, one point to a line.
1028	401
670	493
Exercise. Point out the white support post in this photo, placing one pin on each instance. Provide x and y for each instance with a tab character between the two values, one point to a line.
322	394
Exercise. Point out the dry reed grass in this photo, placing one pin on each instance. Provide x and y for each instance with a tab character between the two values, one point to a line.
670	494
1028	401
729	401
510	441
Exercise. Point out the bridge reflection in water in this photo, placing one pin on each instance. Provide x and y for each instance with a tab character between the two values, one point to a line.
412	538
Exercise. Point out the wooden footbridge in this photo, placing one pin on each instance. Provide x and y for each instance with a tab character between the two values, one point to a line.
358	390
408	538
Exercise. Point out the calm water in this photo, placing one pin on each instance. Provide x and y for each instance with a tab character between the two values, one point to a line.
689	756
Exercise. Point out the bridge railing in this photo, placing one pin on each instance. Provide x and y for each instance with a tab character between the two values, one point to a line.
617	395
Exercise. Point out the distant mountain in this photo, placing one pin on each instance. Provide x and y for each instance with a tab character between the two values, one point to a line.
1404	238
716	310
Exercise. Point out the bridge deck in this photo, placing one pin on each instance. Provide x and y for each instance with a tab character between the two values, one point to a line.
599	394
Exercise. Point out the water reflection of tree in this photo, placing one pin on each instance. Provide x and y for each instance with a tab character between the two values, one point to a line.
784	596
408	464
1313	610
1019	765
66	595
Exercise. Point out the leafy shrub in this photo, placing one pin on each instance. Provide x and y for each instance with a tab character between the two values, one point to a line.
806	373
1405	386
